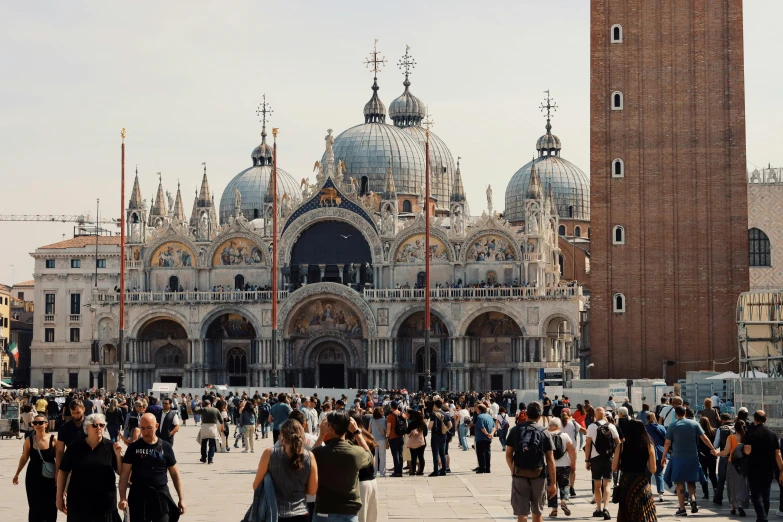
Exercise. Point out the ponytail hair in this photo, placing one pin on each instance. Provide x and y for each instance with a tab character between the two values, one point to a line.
293	436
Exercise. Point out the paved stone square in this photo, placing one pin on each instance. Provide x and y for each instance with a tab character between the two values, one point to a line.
222	491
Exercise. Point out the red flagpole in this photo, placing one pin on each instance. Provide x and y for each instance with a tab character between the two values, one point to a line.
121	351
428	377
274	257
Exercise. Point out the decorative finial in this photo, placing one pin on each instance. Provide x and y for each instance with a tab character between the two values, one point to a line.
160	177
458	158
264	110
122	134
407	63
374	63
550	107
428	121
275	130
137	170
204	163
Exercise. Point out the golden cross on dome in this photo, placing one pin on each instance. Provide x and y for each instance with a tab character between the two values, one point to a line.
407	62
373	62
263	110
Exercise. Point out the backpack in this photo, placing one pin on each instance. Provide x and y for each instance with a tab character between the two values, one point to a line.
400	425
605	443
725	430
521	417
740	460
559	448
440	420
529	451
503	422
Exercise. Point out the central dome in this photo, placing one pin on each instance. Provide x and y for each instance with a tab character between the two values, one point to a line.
370	149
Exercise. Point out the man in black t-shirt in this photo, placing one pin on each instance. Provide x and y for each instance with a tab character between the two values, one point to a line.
150	458
761	447
70	432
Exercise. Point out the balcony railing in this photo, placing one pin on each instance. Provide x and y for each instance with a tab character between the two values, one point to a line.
534	256
190	297
405	294
74	318
48	318
133	264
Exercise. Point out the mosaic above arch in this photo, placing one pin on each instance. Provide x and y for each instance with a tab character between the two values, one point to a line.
325	315
412	250
490	247
494	324
172	254
238	251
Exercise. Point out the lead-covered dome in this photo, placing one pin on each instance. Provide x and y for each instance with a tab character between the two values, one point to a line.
407	109
441	166
252	184
570	185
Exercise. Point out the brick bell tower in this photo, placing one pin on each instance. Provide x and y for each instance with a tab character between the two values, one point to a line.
669	242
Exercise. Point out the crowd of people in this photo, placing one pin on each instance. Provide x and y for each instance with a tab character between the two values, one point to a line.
327	453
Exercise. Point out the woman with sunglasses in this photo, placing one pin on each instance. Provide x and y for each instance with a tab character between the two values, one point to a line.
41	491
91	464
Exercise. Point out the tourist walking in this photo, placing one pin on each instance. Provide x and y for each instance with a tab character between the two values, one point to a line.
91	463
439	426
210	430
530	458
378	431
657	435
114	420
294	472
564	454
279	414
39	481
416	442
600	444
764	461
151	460
707	460
463	428
636	460
169	423
368	486
247	423
264	410
722	435
738	491
682	436
396	427
338	498
73	430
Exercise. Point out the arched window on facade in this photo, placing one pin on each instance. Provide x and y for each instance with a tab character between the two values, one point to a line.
577	231
239	282
759	248
236	361
617	33
561	262
618	235
406	205
173	284
561	230
617	101
619	303
618	168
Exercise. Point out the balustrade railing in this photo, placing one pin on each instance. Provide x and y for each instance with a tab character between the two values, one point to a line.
404	294
190	297
74	318
49	318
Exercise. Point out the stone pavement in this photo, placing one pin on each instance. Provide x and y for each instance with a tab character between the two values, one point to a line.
222	491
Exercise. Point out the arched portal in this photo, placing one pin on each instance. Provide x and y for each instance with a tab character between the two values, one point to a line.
229	343
494	341
329	363
326	249
421	371
167	343
411	347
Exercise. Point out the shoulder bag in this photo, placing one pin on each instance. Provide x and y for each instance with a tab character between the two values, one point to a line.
47	468
381	432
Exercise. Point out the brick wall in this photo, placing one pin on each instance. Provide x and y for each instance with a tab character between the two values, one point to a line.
683	200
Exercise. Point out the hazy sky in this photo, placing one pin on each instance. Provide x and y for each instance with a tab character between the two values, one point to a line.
185	79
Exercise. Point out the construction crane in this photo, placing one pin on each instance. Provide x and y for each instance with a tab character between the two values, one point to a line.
81	219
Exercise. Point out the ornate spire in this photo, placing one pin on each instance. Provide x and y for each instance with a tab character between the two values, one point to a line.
534	187
262	155
179	209
159	205
135	199
458	192
391	191
375	110
204	197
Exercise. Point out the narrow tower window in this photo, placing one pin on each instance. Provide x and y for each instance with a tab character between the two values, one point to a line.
619	303
617	33
617	101
618	168
561	230
618	235
578	232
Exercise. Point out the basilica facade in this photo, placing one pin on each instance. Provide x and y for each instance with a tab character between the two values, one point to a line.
351	258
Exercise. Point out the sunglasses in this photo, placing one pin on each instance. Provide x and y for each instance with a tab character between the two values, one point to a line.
38	423
99	426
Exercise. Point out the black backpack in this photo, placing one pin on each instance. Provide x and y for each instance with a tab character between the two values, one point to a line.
400	427
725	431
529	451
559	448
605	444
740	460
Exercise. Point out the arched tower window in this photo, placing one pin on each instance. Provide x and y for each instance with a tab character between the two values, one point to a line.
617	101
578	232
618	303
406	205
617	33
561	262
561	230
618	235
759	248
618	168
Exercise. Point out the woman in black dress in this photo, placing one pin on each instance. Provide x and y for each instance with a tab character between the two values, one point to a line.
41	491
635	458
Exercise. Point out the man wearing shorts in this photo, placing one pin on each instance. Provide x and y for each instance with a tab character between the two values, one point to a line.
600	465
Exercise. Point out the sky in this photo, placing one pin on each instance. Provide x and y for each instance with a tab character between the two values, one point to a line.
185	80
